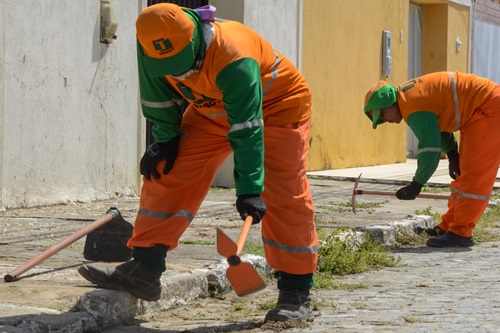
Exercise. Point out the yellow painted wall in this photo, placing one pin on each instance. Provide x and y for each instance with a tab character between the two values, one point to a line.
458	26
342	59
443	23
434	38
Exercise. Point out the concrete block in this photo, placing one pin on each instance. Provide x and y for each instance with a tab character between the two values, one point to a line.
108	307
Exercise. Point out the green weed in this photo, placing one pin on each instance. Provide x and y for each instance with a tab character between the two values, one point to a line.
351	254
197	242
253	248
405	239
428	211
217	189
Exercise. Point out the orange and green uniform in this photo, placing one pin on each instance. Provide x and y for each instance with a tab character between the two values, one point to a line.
244	98
438	104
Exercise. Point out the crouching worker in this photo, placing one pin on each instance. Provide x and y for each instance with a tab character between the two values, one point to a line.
244	98
434	106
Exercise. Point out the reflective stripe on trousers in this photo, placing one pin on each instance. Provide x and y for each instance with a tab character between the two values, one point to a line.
479	153
168	204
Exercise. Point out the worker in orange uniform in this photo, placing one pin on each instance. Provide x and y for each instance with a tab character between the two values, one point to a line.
244	98
434	106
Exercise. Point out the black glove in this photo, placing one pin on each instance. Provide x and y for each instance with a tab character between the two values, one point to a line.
409	192
156	152
453	164
251	204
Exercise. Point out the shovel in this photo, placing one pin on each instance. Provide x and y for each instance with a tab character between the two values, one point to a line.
242	275
106	243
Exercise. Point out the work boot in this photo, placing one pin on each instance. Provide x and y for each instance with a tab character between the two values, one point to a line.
293	304
140	280
432	232
449	239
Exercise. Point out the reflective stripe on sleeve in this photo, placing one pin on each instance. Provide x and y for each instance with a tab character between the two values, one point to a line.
246	124
160	105
429	149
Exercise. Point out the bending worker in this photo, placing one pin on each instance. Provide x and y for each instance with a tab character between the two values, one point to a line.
244	98
434	106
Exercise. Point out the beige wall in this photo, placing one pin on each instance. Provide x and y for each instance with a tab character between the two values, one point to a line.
342	59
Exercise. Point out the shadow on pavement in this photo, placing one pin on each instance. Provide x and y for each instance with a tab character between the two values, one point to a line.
428	249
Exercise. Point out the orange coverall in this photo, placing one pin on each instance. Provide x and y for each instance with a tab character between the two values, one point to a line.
468	104
169	204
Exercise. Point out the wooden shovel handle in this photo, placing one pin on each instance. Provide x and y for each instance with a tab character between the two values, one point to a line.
243	234
392	194
14	275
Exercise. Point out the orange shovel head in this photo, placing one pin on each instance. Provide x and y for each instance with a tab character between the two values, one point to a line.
242	275
244	279
225	245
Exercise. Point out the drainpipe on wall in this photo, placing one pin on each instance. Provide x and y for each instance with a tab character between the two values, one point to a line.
472	19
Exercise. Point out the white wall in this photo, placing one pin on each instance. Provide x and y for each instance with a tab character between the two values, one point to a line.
70	121
2	98
70	125
485	54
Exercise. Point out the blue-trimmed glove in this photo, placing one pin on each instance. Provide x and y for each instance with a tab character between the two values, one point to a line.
156	152
453	164
251	204
409	192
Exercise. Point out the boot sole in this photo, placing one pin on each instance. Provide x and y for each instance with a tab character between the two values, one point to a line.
430	243
84	272
309	317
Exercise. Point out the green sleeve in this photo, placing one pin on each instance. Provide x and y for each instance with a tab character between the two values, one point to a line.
425	125
448	142
241	88
160	103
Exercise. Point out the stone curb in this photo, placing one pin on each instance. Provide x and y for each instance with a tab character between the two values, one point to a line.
102	309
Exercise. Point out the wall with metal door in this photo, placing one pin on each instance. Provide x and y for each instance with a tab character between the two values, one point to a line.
342	59
486	39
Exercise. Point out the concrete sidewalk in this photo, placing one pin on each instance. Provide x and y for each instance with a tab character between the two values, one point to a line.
396	173
52	297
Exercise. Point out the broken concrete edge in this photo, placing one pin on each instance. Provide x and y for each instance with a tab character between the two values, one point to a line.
63	322
103	308
386	234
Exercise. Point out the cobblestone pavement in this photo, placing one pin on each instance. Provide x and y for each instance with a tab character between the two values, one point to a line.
431	290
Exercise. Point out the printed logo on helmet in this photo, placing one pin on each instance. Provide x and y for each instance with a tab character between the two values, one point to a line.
163	46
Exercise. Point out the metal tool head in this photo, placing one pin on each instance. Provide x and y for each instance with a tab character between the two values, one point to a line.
242	275
108	243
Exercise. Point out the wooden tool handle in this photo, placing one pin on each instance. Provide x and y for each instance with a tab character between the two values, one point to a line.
392	194
14	275
244	233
